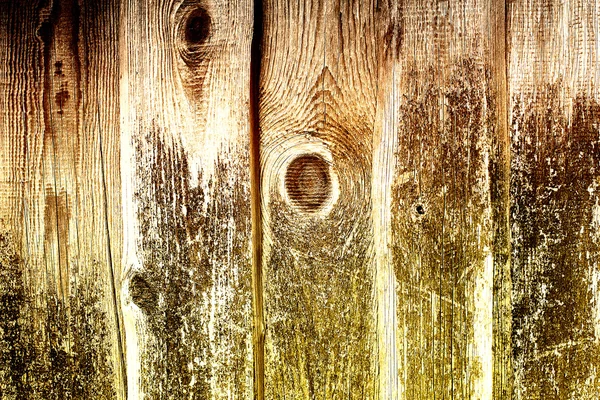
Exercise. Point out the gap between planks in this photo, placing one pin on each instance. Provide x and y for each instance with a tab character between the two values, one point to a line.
256	218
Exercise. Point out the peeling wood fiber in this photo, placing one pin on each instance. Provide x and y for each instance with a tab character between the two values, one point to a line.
555	127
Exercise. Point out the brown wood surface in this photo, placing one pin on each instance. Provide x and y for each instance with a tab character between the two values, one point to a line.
60	330
447	217
318	95
186	188
554	77
307	199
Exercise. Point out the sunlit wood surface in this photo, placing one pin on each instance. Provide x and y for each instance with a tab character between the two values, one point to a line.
306	199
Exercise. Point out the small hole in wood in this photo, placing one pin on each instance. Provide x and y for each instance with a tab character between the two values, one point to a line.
420	209
307	182
197	27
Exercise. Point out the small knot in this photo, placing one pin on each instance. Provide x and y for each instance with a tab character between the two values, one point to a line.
142	294
197	27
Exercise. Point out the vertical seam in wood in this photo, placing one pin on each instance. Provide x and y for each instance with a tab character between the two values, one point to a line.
506	166
507	380
502	376
257	278
117	315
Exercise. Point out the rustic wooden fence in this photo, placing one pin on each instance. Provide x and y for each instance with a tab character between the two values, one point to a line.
300	199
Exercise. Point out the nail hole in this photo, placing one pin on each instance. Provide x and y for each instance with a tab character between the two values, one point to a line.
197	27
142	293
307	182
420	209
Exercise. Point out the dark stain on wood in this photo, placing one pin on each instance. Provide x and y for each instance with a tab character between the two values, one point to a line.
143	294
164	194
183	250
61	97
73	20
45	33
53	351
555	169
17	356
62	24
78	349
58	71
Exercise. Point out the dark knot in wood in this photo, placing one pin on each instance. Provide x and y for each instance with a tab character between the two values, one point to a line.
308	183
197	27
142	294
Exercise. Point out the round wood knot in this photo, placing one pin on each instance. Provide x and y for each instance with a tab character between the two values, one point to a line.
307	182
197	27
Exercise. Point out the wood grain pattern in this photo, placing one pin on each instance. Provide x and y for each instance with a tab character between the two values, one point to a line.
554	73
317	115
445	212
60	326
186	180
308	199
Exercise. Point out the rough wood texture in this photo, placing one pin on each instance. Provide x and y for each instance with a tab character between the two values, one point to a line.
186	181
445	245
312	199
60	335
554	81
317	115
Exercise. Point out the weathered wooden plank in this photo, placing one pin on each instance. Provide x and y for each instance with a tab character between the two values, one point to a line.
499	172
318	100
385	147
554	78
186	196
61	335
443	110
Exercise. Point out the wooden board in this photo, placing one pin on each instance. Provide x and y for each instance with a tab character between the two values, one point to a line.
318	98
554	78
447	200
186	198
61	335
